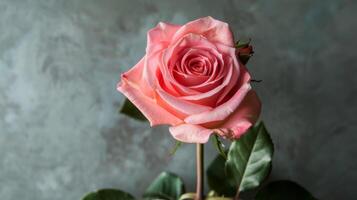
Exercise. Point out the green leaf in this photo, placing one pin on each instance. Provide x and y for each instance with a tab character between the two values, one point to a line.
243	43
188	196
249	158
219	146
132	111
282	190
217	178
166	186
177	145
212	195
108	194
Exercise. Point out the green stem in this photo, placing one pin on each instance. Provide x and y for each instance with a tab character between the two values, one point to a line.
199	171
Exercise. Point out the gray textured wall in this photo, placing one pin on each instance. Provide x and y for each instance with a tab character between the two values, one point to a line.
61	136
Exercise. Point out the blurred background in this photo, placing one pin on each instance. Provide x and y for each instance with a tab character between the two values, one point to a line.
60	132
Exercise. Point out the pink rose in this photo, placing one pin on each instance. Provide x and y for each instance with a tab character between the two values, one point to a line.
191	79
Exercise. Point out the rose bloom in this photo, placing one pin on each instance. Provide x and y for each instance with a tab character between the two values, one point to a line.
191	79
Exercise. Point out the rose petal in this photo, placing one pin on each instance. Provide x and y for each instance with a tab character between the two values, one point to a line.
207	86
154	76
181	106
137	75
154	113
244	78
160	36
188	80
237	71
245	115
221	112
190	133
212	29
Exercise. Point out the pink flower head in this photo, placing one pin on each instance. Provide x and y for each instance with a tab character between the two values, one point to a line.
190	78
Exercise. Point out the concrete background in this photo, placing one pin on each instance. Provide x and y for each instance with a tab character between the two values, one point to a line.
61	136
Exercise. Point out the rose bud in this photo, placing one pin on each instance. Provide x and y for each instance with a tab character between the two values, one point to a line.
244	51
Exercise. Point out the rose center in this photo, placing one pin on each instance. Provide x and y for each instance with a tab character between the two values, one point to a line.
195	68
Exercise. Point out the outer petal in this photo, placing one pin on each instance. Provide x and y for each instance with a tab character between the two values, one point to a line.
135	73
214	30
221	112
182	106
245	116
190	133
160	37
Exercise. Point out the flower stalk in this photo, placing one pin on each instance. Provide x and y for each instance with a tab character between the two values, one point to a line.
199	171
